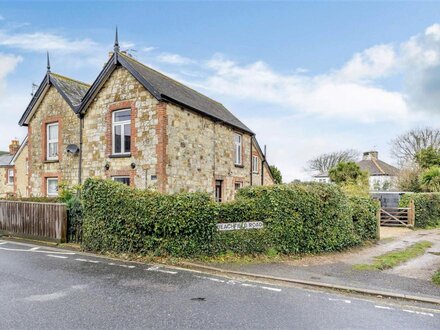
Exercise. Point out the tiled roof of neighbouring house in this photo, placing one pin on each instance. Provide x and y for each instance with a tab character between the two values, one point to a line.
378	167
5	159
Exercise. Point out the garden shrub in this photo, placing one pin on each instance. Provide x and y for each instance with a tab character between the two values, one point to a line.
427	208
364	212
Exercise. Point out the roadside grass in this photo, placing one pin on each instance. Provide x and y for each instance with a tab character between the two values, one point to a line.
436	278
395	258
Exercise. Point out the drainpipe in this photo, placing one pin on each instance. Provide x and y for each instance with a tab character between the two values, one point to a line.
81	123
262	166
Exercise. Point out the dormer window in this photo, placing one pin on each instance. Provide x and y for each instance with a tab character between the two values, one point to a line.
52	141
121	128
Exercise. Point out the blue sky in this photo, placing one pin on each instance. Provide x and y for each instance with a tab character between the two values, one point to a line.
307	77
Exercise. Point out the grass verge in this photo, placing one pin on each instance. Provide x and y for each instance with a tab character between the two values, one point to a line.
436	278
395	258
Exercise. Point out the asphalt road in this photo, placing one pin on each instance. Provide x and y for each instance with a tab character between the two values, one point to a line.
43	288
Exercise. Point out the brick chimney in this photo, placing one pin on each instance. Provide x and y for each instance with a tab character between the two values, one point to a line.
368	155
14	146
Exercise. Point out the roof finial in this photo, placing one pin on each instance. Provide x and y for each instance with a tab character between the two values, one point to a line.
116	46
48	62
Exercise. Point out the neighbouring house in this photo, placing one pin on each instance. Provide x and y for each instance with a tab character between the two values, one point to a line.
21	166
383	176
137	126
7	171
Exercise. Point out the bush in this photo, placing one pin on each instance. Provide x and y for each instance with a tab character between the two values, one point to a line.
120	219
298	218
427	208
364	212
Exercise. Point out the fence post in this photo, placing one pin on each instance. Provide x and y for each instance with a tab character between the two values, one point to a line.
378	213
411	213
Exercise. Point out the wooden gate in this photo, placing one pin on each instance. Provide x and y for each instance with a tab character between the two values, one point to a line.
46	221
398	216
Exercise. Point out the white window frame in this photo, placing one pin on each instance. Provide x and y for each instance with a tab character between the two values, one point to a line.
114	178
238	149
122	124
11	176
52	141
48	193
255	164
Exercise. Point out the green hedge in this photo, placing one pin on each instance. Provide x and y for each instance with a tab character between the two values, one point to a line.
427	208
120	219
364	212
298	218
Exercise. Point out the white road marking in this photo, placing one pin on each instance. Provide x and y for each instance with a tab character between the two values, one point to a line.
88	260
47	297
383	307
271	289
343	300
157	269
54	256
34	248
249	285
1	243
210	279
419	313
125	266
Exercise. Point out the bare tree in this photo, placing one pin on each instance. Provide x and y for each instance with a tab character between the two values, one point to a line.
323	163
405	147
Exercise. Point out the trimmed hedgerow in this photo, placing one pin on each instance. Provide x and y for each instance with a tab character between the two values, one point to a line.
364	212
120	219
427	208
298	218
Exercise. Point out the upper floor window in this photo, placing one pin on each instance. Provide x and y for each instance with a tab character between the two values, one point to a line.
121	128
10	176
238	148
255	164
52	141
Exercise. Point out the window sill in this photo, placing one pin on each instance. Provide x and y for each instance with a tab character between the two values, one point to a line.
255	172
238	165
120	156
51	161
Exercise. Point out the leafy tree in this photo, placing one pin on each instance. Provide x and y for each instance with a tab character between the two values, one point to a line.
347	173
323	163
409	180
406	146
430	179
276	173
428	157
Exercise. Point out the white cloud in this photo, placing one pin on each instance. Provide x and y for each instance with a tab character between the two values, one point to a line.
173	59
147	49
43	41
8	64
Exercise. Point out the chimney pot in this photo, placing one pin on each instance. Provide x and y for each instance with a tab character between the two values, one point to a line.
368	155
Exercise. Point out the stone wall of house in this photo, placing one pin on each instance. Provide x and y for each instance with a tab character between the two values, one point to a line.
53	108
5	187
200	151
21	173
123	91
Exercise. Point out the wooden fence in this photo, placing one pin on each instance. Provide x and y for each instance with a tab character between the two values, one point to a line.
46	221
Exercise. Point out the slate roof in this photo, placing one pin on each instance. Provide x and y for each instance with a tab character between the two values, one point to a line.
175	91
5	160
74	90
377	167
71	90
164	88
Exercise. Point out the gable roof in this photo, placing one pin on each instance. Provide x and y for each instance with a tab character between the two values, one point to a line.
164	88
377	167
5	160
22	145
71	90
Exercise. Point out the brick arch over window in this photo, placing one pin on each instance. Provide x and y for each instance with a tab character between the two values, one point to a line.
109	118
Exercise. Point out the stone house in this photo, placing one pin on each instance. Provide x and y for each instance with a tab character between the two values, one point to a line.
20	164
7	171
137	126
